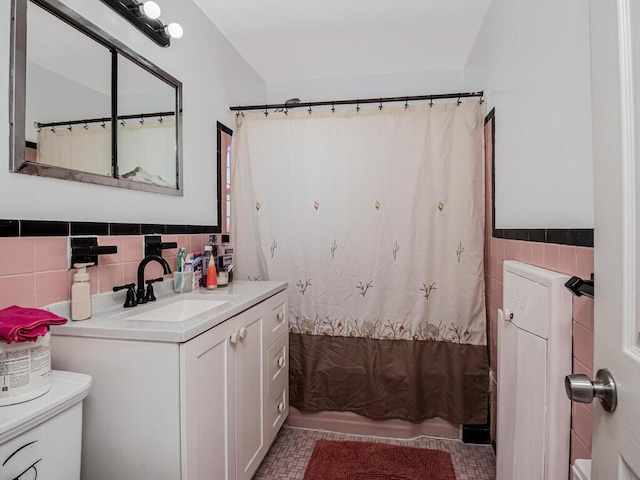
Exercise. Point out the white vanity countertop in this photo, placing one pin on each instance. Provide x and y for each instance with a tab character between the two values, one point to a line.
111	319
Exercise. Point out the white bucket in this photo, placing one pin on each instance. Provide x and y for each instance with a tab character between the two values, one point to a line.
25	370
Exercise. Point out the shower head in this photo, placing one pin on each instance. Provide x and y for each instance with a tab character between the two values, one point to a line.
291	101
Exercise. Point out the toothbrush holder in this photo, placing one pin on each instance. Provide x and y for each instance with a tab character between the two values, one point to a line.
182	282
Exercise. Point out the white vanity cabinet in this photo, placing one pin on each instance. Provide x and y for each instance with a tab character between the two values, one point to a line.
204	409
235	383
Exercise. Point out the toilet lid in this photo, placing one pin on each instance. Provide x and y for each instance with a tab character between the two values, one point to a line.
67	389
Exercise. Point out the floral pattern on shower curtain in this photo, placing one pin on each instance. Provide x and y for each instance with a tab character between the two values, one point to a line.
375	218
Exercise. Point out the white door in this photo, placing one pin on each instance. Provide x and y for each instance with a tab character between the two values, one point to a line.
615	56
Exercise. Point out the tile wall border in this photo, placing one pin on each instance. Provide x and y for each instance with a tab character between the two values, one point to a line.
39	228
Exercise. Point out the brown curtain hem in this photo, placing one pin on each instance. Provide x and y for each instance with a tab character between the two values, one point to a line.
390	379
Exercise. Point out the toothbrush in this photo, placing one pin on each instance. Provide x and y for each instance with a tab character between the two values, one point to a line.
195	263
181	253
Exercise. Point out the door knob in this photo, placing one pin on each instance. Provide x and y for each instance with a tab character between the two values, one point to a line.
243	333
280	316
281	362
280	407
580	389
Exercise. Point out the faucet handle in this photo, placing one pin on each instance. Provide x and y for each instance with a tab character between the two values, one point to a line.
131	297
153	245
150	297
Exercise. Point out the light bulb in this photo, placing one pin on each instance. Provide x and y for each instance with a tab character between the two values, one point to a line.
174	30
150	9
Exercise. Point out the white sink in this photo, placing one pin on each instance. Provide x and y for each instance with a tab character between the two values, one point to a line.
179	311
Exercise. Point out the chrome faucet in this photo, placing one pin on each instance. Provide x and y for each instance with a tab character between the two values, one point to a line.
140	296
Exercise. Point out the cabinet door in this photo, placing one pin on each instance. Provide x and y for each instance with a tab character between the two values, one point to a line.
208	410
250	391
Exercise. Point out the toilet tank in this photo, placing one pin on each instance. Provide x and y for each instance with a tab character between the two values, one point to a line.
42	438
534	355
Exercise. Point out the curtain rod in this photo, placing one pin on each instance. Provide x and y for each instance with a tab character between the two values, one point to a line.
104	119
360	101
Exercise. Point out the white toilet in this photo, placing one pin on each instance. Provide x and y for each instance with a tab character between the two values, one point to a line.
582	470
42	438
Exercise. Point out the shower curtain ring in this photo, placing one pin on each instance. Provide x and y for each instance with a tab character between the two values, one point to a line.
266	112
481	99
86	127
141	121
53	129
309	109
406	103
333	108
69	127
380	106
431	102
358	107
161	119
459	102
122	122
286	111
103	125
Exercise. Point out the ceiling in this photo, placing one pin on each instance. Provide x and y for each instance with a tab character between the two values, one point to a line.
293	40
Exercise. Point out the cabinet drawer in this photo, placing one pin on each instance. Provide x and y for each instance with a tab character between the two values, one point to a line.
277	410
278	358
276	322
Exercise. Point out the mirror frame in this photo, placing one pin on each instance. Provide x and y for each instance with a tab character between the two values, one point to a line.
221	176
17	103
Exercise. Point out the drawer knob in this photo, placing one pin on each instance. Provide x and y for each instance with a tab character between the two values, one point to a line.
281	407
243	333
234	338
280	316
281	362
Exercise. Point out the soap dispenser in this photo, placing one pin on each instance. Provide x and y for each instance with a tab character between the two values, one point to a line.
81	293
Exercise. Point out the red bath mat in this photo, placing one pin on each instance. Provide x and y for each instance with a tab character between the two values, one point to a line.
376	461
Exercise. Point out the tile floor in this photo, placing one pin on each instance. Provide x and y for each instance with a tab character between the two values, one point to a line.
288	457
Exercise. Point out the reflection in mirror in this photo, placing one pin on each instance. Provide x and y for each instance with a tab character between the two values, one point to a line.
71	82
146	127
68	79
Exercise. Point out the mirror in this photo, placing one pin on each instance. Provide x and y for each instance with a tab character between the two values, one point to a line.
85	107
146	127
68	82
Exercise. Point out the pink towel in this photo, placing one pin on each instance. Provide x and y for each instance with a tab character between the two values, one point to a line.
18	324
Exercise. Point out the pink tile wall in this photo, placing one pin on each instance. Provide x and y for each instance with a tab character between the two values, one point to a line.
561	258
33	271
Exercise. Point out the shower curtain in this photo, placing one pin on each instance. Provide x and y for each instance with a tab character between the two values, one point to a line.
376	220
146	151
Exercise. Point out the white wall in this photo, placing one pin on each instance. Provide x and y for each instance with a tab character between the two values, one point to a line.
532	59
214	77
41	106
367	86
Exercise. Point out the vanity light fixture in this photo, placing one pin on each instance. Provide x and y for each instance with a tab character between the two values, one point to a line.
145	16
149	9
174	30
